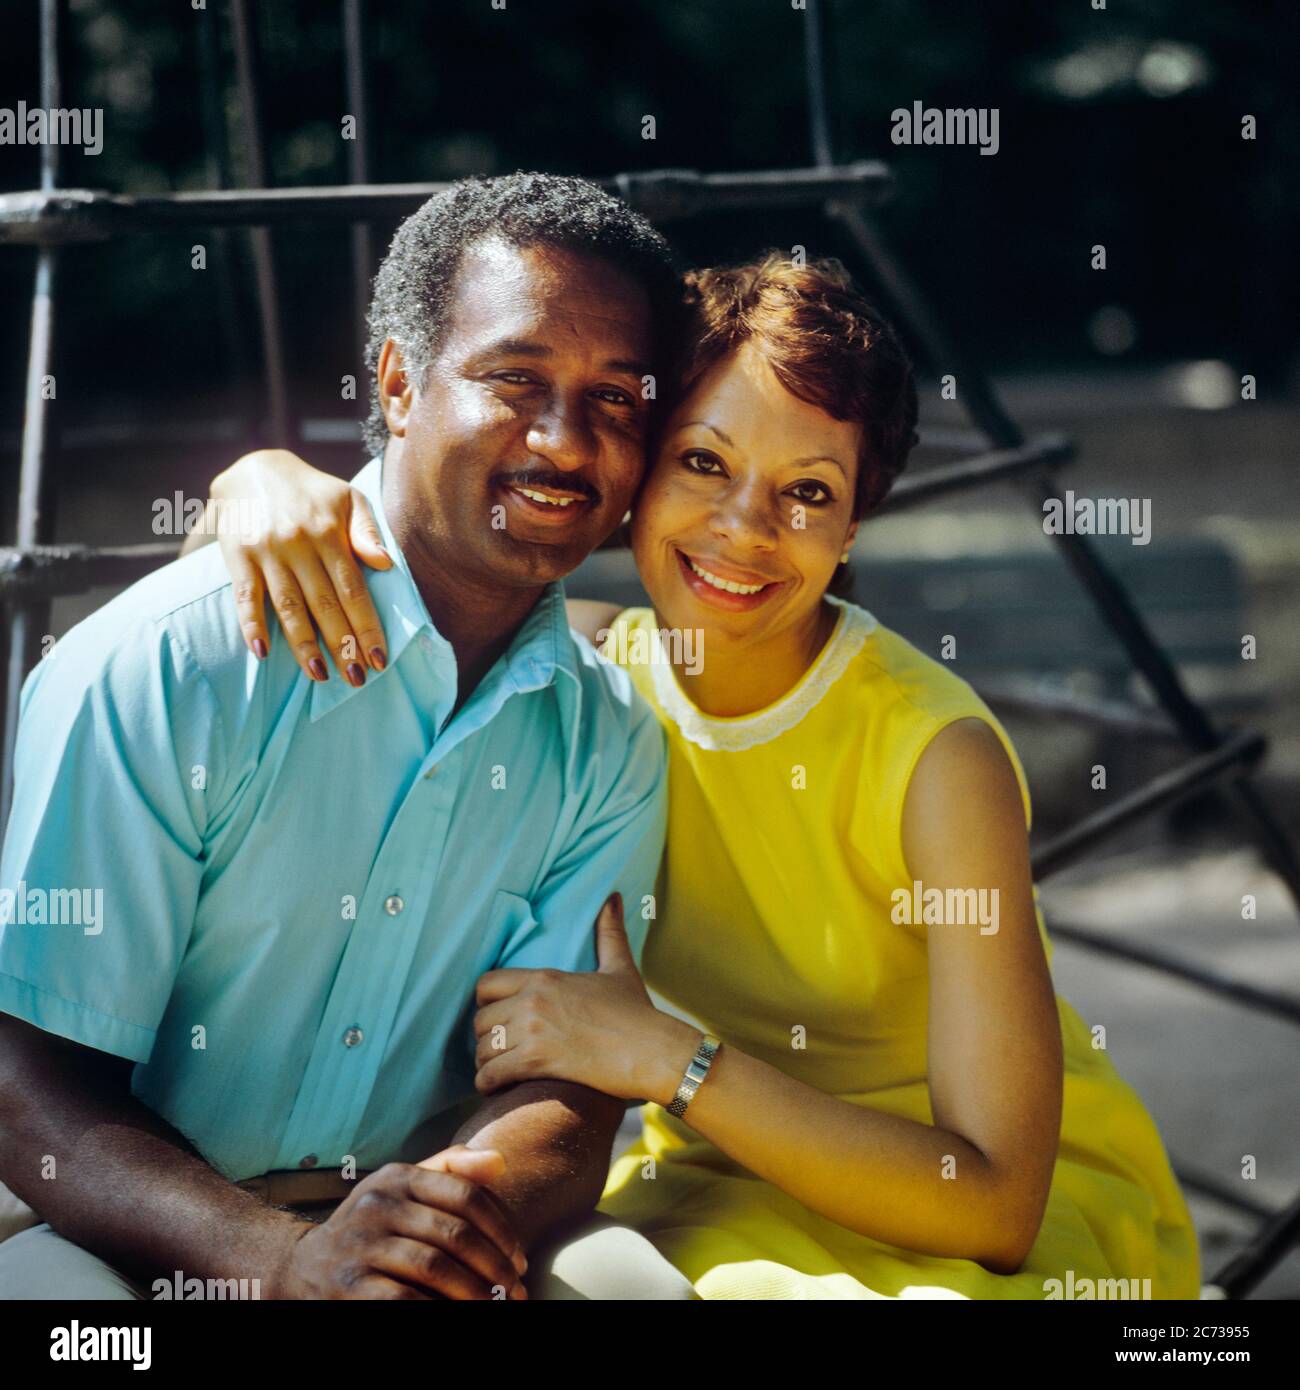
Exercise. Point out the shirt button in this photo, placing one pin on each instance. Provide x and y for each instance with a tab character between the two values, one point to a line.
309	1162
431	771
352	1037
393	905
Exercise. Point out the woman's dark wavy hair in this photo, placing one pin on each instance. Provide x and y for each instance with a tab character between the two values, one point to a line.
825	344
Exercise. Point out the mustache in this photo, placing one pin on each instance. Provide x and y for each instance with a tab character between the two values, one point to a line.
548	477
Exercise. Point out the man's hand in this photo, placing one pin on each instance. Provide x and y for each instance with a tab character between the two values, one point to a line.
412	1231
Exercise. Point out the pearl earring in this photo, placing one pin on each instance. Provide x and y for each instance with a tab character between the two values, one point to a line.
844	559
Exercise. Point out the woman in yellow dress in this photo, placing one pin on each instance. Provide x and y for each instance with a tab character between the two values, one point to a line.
901	1106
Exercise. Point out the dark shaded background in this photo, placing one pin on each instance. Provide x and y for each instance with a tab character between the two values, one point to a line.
1119	126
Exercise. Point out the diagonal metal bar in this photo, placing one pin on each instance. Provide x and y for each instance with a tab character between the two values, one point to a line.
1122	616
1267	1247
939	347
1163	791
995	466
915	317
1210	1186
982	404
1283	1006
1150	659
1044	700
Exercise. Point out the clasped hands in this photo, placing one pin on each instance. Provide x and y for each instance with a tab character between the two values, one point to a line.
434	1229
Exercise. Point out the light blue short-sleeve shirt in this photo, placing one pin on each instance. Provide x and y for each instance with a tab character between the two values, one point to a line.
275	896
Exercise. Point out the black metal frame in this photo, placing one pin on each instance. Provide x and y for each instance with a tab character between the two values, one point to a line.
1225	755
33	571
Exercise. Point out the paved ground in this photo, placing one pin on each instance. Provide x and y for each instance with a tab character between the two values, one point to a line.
1222	1082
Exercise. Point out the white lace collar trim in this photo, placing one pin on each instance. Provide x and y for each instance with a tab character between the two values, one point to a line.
731	735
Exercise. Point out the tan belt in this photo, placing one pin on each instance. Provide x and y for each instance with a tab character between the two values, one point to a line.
303	1187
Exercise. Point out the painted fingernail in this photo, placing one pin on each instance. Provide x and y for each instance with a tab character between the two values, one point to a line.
259	648
317	668
355	674
377	658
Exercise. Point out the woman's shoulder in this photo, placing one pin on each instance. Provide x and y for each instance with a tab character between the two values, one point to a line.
900	674
907	698
591	618
628	637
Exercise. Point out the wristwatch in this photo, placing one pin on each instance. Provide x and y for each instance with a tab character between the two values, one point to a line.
696	1071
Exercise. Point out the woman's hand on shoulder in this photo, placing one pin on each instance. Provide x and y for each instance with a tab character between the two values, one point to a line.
288	530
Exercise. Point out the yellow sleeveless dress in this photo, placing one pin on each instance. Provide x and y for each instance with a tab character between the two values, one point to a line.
784	845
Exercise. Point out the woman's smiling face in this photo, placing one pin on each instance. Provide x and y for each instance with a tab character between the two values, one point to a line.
751	488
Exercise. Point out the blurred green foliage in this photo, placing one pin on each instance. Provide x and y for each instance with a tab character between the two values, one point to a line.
1119	126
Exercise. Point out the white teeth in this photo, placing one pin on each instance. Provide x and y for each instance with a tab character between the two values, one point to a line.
542	497
725	584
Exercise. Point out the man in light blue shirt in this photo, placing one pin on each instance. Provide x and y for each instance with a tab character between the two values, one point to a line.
299	882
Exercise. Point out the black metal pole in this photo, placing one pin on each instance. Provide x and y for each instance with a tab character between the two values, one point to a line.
1209	1186
1160	792
1268	1246
816	74
982	404
44	572
72	215
941	351
268	296
915	489
358	148
1148	657
1264	1001
223	262
29	621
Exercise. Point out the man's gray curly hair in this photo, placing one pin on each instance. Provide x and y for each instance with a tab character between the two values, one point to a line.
412	290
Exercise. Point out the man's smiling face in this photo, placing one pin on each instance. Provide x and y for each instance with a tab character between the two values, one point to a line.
526	443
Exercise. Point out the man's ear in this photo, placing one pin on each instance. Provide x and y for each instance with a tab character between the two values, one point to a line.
396	394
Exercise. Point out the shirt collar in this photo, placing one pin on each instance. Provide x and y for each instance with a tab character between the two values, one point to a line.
541	649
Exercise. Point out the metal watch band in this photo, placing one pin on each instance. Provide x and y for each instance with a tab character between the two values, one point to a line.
696	1071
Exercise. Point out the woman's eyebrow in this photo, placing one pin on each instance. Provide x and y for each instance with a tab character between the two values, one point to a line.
726	438
820	458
